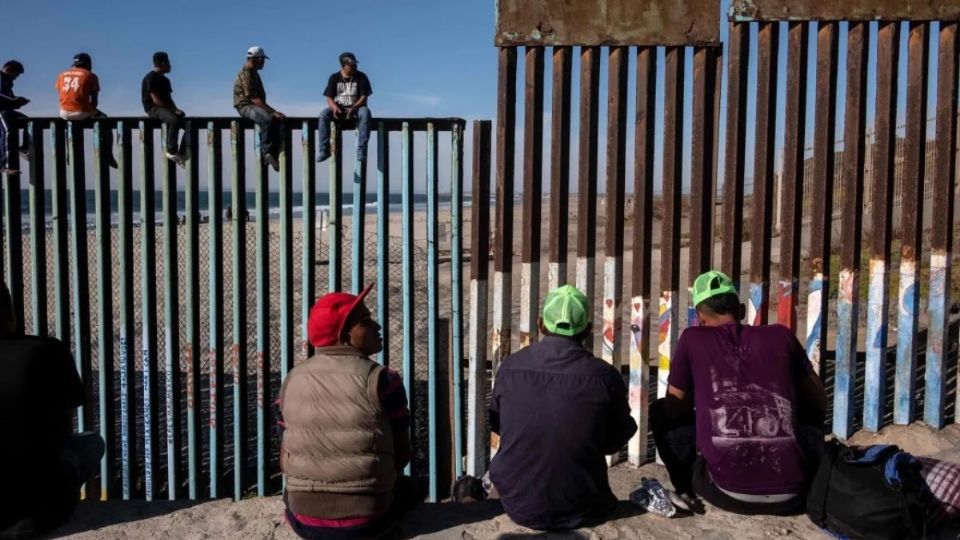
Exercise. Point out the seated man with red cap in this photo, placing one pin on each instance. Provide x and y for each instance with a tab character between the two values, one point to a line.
346	429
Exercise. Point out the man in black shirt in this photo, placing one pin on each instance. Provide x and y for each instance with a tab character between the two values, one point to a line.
40	458
558	411
156	94
347	93
10	118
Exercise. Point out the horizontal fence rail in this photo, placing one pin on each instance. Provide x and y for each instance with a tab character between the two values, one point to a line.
185	304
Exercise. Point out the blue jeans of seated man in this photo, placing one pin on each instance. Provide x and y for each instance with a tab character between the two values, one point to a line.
363	132
269	128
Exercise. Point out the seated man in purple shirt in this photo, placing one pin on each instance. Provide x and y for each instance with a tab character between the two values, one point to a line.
742	422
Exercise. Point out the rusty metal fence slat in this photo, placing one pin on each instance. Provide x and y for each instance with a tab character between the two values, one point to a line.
532	194
825	118
645	133
941	234
911	225
791	195
478	446
848	301
669	321
560	165
884	157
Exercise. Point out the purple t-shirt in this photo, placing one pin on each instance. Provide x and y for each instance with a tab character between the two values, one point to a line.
743	381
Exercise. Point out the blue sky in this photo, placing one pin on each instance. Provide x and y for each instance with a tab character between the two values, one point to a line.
425	58
430	57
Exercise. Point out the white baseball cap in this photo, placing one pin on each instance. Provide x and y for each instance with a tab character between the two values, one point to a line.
257	52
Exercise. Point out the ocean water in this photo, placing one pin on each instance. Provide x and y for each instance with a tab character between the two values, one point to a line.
395	203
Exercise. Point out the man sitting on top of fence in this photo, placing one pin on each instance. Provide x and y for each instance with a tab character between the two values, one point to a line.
347	93
742	422
42	463
10	118
156	93
558	410
250	100
346	429
79	90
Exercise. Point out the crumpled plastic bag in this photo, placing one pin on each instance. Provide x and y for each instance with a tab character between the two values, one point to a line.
656	499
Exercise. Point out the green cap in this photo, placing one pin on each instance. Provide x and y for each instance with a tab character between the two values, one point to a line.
710	284
565	311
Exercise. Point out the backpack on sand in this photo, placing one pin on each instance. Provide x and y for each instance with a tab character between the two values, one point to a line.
875	492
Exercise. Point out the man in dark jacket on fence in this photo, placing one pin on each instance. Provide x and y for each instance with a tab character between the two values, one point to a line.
42	462
11	120
558	411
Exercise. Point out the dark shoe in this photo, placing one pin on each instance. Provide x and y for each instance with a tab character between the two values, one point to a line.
468	489
323	155
272	161
113	163
25	153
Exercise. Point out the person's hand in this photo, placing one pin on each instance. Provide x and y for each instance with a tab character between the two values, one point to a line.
337	111
351	112
278	115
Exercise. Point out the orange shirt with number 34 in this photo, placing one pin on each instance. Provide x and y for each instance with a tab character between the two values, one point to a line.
76	86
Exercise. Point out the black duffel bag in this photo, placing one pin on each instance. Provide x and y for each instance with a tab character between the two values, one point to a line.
875	492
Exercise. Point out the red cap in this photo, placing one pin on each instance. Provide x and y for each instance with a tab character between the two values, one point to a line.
329	314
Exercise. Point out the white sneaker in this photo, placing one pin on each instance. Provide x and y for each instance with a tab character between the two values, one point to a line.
176	158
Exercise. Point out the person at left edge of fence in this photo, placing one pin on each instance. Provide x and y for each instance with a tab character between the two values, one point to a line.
250	101
42	462
79	90
11	119
346	429
156	94
348	91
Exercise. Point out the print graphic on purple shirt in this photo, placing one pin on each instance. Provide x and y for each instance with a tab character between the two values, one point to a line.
743	380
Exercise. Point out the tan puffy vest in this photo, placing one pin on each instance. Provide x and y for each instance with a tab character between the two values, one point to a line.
337	452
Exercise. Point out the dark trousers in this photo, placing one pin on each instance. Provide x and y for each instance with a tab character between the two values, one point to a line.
676	443
174	124
407	494
10	126
51	500
269	128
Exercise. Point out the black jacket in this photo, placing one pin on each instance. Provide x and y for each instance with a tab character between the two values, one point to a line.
558	410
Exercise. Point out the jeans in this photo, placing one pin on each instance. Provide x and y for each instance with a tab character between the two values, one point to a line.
56	492
676	443
269	128
80	117
10	126
363	131
174	124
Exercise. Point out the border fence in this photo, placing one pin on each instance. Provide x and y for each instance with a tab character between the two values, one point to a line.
184	320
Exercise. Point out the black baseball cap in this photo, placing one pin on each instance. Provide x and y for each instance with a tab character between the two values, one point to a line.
81	59
348	58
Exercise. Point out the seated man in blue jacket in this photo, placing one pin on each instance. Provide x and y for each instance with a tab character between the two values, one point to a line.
558	411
